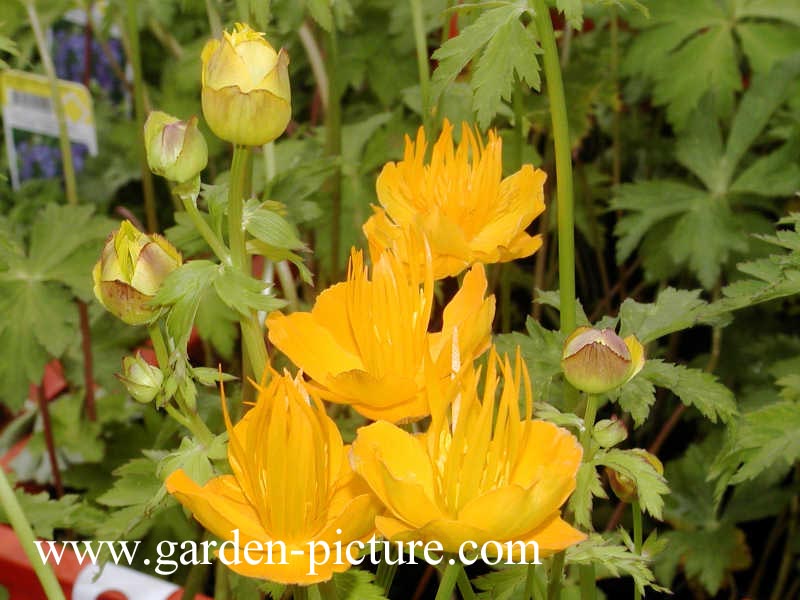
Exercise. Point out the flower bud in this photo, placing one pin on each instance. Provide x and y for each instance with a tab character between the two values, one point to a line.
130	271
176	149
142	380
245	87
609	432
598	360
625	487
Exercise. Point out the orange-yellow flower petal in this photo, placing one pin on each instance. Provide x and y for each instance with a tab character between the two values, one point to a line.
460	202
292	485
482	472
366	341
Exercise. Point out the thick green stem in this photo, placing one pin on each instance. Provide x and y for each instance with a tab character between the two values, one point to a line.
449	580
558	113
254	348
222	587
58	107
588	587
214	22
637	538
421	42
148	189
333	132
236	187
385	576
16	517
327	590
588	422
464	585
555	576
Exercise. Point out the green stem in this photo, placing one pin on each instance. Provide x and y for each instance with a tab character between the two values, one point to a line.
300	592
464	585
637	538
159	345
333	129
16	517
148	189
555	576
588	421
327	590
385	576
222	588
421	42
214	22
558	112
58	107
288	285
236	187
254	347
449	580
204	229
530	580
588	586
616	165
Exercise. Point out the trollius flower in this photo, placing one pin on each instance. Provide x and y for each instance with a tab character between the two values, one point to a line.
479	474
468	212
291	484
365	341
245	87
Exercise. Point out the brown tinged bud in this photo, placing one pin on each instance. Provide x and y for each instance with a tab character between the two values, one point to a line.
624	487
130	272
598	360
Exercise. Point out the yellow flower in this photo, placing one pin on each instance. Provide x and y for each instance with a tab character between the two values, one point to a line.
479	474
366	341
245	87
459	200
598	360
291	484
130	271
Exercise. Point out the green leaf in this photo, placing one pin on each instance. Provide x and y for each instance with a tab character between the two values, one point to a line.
767	92
541	351
706	554
636	397
243	293
136	484
651	486
37	321
681	33
761	439
609	555
355	584
587	487
506	583
182	292
45	514
646	204
217	324
573	11
765	44
694	388
691	502
320	11
673	310
457	52
271	228
512	49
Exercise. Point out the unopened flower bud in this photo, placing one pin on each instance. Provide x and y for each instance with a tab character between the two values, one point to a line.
609	432
130	271
142	380
598	360
176	149
625	487
245	87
